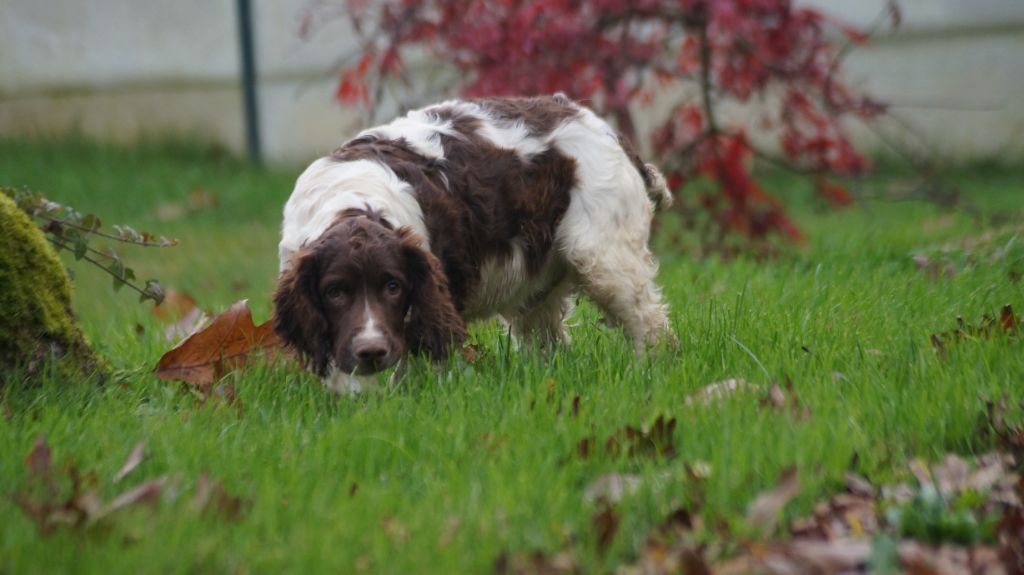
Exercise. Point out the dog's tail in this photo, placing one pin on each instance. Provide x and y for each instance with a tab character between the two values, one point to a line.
657	187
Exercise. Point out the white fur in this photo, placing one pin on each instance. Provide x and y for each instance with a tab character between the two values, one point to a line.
328	187
421	130
370	330
347	384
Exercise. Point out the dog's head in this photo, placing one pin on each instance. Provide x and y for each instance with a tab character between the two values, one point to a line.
362	295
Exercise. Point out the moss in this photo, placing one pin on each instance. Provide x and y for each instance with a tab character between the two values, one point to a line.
36	322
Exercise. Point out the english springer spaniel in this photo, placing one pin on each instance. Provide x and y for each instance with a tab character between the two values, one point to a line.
462	211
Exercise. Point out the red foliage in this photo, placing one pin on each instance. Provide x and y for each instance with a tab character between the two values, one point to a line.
617	53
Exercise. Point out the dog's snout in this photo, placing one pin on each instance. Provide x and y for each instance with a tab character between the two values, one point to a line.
370	351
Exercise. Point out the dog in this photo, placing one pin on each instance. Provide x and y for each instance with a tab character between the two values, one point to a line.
462	211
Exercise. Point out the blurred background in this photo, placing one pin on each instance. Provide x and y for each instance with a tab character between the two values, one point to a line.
124	71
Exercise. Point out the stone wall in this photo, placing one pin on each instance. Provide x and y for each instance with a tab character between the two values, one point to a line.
122	70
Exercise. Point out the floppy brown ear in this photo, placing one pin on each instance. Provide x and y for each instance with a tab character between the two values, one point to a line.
433	325
298	316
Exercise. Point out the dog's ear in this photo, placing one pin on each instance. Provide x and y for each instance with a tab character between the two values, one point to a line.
433	325
298	316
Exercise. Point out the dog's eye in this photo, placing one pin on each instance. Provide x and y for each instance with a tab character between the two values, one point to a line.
393	287
336	292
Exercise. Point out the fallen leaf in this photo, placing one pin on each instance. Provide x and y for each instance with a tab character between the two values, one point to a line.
536	563
988	326
763	513
176	304
229	342
147	493
395	530
656	441
859	485
40	458
718	391
950	475
784	399
838	556
212	497
1011	540
133	461
1007	319
921	472
693	562
612	488
935	269
189	324
606	524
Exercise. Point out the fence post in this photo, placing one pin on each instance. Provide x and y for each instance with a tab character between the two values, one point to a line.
252	119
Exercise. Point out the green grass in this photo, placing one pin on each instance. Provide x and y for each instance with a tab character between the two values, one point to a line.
846	317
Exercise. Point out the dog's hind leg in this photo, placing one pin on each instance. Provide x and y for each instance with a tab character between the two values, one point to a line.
620	280
604	232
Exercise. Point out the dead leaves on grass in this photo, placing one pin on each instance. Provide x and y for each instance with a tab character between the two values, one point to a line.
853	533
989	326
231	341
952	516
780	397
763	513
653	441
70	499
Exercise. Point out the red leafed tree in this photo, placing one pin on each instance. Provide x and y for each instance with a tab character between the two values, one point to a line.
618	54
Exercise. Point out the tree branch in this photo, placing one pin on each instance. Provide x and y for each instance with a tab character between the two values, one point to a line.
140	291
95	231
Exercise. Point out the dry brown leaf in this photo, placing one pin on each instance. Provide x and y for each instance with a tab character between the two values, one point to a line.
212	497
989	326
606	524
950	475
658	441
859	485
763	513
920	470
838	556
133	461
40	458
394	529
536	563
229	342
1007	319
176	304
147	493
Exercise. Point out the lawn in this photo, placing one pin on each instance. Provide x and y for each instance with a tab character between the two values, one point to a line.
454	469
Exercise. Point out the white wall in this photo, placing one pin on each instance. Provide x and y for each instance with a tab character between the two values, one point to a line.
124	69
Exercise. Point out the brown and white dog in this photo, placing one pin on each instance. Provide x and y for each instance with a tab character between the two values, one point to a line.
461	211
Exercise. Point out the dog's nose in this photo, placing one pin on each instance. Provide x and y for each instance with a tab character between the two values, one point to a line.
370	352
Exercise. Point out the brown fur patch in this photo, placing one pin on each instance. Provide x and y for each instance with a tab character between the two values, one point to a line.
480	198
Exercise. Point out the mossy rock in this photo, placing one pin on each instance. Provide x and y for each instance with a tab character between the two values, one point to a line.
37	327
